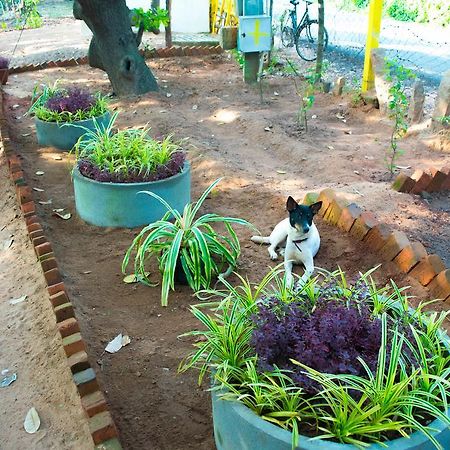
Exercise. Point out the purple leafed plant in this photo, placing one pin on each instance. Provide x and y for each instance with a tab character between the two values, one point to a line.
72	100
330	339
4	62
174	166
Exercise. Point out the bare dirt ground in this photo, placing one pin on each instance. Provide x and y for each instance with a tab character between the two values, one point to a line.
31	347
264	157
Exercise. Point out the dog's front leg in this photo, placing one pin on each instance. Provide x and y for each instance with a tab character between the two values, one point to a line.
288	265
308	262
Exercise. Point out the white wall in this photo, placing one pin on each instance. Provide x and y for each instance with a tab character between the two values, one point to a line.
190	16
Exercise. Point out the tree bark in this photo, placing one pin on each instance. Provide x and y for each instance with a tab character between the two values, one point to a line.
169	26
320	40
114	46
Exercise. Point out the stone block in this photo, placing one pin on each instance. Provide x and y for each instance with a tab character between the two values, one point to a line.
376	238
338	87
228	37
52	276
427	269
363	224
102	427
410	256
442	105
395	243
403	183
422	179
326	197
64	312
68	327
73	344
348	216
415	113
440	286
85	381
78	362
94	403
438	180
60	298
28	209
310	198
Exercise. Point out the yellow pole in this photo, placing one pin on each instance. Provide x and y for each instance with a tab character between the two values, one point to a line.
373	36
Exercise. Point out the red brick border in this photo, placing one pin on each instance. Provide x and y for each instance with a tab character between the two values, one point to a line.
93	402
428	180
166	52
410	256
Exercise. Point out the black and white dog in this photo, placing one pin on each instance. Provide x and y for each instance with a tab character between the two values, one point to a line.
299	237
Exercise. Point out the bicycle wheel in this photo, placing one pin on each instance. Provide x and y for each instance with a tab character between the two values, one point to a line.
287	33
306	40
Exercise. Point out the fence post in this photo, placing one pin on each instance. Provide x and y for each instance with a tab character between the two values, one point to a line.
373	35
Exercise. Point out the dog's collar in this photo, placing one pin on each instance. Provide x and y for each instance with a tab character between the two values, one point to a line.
298	241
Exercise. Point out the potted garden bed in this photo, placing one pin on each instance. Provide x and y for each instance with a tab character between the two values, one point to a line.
62	116
112	171
325	366
4	70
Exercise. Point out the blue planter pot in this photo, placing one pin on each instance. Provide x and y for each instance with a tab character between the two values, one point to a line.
238	427
120	205
64	135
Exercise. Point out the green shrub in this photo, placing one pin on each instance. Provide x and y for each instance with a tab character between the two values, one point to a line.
400	10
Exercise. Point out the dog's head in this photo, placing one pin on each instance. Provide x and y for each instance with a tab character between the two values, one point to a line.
301	216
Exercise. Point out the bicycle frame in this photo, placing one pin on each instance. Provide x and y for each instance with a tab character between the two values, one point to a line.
293	15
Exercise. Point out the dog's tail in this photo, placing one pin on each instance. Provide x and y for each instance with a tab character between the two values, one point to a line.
261	239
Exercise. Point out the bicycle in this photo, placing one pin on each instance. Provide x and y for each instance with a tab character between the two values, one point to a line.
303	35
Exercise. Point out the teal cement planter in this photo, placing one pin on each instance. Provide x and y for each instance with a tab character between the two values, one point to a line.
64	135
120	205
238	427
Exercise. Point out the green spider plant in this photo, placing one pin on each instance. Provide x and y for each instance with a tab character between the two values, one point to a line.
408	388
130	151
189	244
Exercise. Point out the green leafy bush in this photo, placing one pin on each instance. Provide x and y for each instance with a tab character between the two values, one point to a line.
360	402
188	248
149	20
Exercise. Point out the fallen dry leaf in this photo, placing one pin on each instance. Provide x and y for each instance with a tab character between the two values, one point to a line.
66	216
32	421
15	301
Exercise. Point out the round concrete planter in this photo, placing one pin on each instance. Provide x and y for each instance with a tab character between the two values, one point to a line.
120	205
64	135
238	427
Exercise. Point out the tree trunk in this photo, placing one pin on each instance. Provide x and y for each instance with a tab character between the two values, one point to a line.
169	26
114	46
320	40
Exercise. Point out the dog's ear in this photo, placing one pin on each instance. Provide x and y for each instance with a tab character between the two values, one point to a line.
315	207
291	204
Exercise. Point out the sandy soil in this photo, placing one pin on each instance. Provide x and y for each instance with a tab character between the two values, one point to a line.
31	347
227	128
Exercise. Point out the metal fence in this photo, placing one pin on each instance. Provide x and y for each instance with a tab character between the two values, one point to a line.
422	47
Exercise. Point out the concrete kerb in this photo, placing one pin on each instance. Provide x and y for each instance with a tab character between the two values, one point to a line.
103	430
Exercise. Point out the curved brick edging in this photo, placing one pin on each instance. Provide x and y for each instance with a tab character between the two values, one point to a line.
166	52
428	180
101	424
410	256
